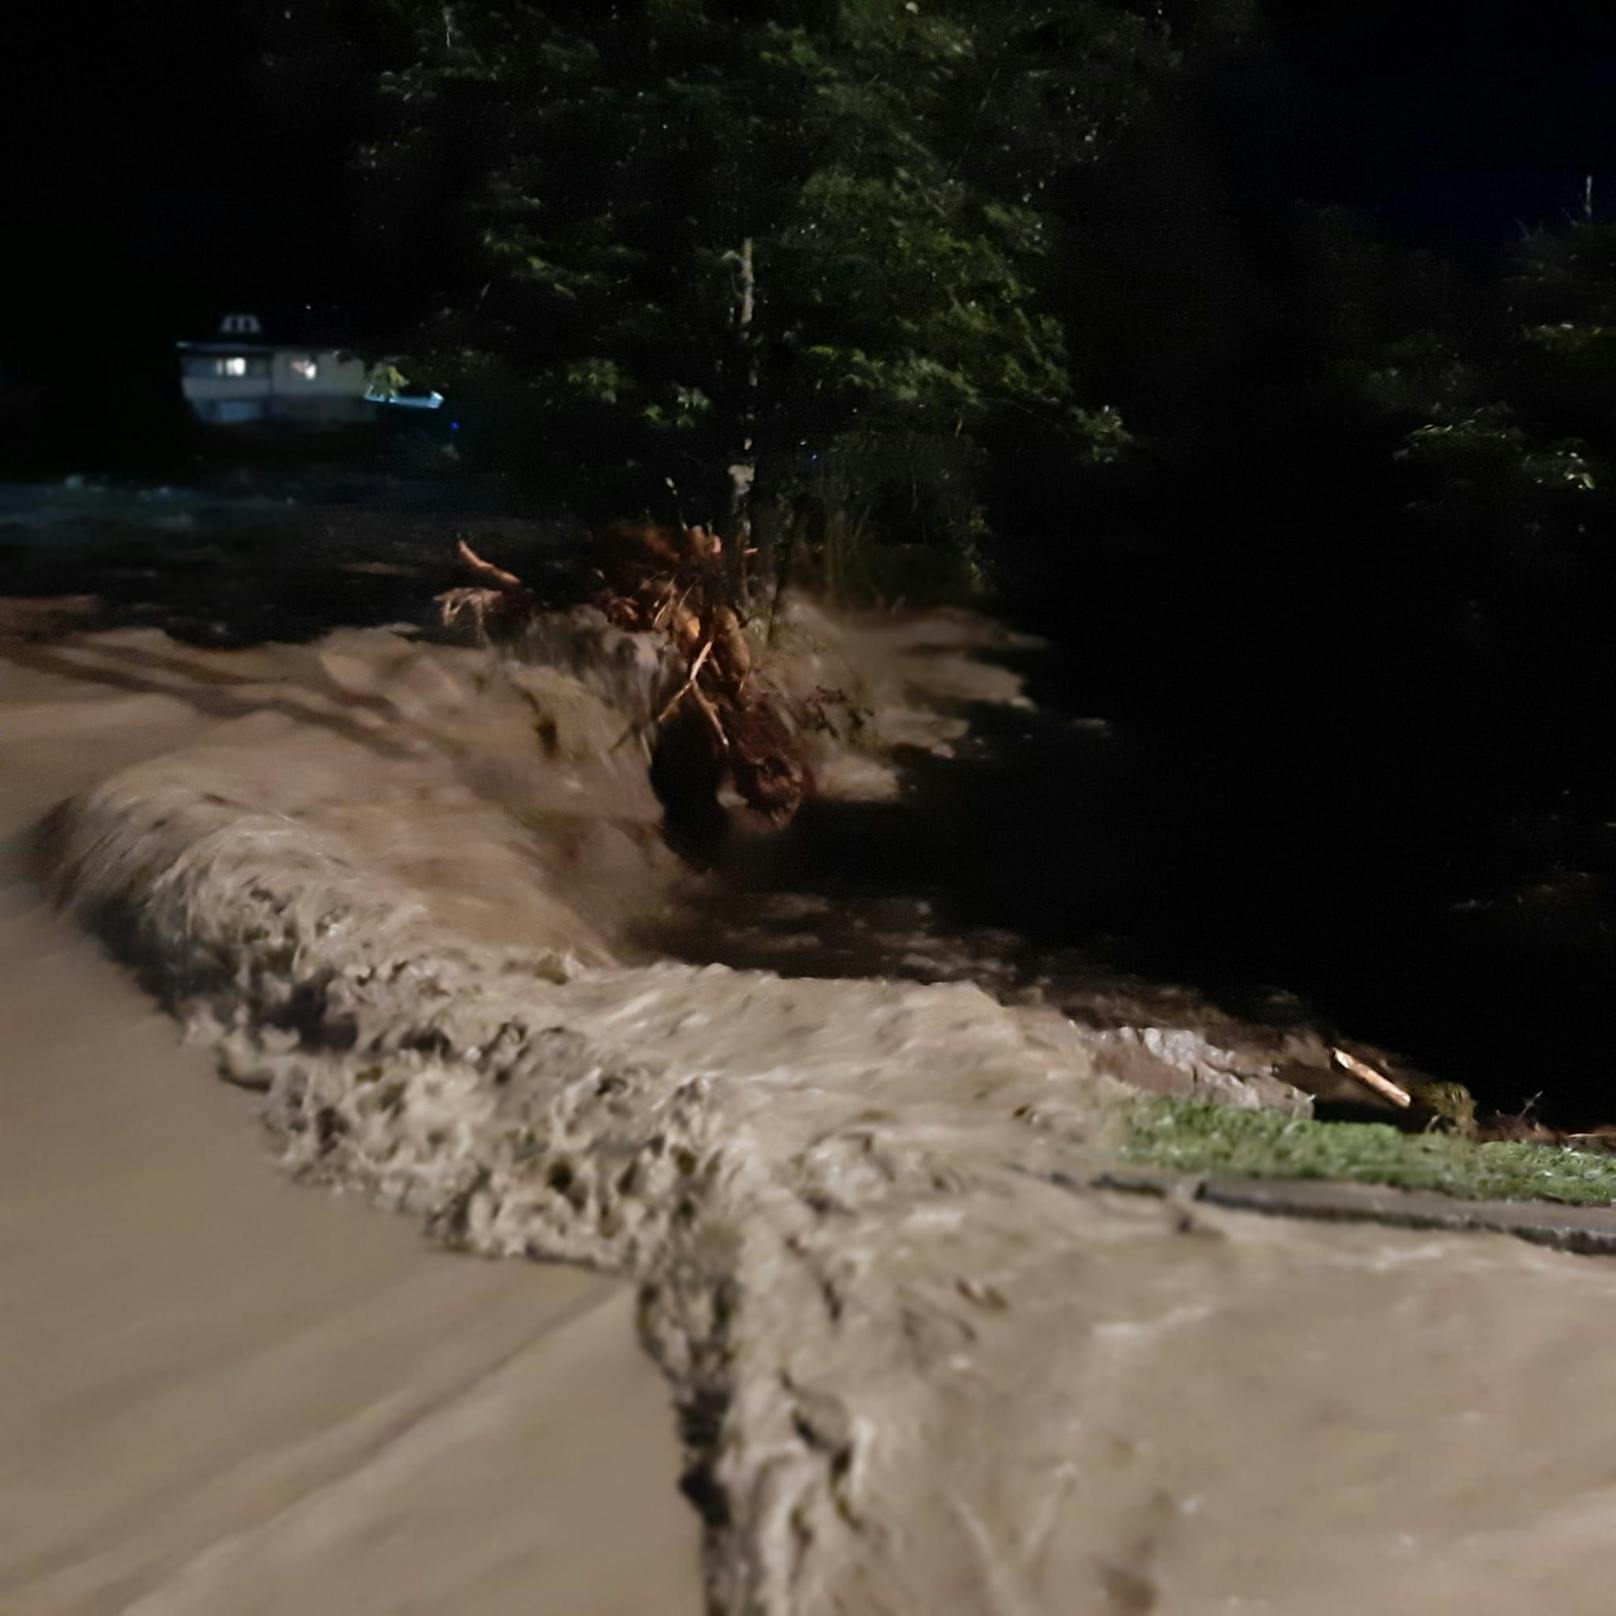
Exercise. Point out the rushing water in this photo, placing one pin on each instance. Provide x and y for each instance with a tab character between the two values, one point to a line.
415	899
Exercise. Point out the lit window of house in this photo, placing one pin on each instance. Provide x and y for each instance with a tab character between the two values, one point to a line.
234	365
305	368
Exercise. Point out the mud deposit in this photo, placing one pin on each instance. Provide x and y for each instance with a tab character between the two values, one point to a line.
413	897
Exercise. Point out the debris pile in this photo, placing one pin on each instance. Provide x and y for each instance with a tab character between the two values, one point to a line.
725	729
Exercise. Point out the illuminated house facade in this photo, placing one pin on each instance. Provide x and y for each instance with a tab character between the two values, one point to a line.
237	377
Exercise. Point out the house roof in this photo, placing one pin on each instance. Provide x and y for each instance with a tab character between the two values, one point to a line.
267	330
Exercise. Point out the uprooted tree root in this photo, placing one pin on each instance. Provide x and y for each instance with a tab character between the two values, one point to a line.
723	724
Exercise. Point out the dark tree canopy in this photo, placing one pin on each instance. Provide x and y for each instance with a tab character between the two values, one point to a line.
696	237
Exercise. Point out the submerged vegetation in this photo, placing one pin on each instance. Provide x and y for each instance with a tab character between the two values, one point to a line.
1197	1138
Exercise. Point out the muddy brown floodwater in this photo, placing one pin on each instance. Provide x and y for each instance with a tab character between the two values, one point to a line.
404	897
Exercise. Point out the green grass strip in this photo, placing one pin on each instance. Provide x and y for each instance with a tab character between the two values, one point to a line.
1182	1136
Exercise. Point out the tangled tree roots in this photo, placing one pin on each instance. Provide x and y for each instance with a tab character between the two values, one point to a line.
723	725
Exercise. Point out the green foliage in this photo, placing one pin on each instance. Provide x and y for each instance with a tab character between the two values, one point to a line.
1451	1105
1484	448
1419	375
882	514
1566	278
1191	1137
1506	403
1582	346
1561	363
603	381
386	380
1103	435
886	162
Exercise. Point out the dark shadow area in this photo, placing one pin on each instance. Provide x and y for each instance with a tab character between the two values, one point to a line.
263	557
1239	860
1365	758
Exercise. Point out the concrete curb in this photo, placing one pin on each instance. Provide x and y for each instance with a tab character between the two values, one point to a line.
1588	1231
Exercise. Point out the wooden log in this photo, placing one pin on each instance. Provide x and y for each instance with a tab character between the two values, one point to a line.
1371	1079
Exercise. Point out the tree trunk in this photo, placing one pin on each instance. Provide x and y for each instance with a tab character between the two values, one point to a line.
743	466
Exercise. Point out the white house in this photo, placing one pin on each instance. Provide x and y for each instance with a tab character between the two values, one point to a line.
238	376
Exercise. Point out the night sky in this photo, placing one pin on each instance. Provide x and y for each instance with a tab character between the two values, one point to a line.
1455	124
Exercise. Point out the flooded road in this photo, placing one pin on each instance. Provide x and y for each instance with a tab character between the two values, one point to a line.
221	1393
408	898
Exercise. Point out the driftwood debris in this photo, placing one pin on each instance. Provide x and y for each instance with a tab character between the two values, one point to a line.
1371	1079
722	725
499	602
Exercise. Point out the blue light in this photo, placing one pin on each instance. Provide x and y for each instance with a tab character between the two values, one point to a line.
454	426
